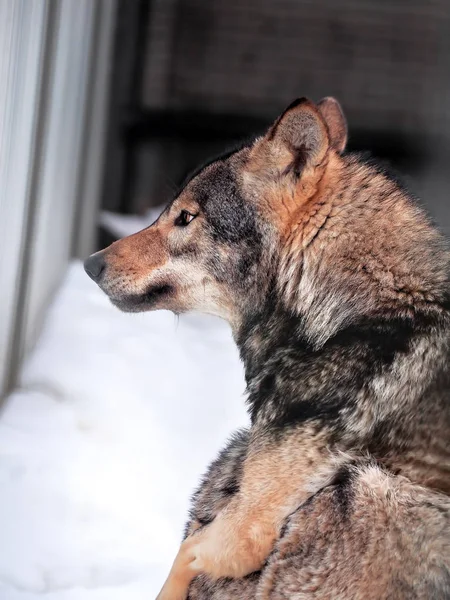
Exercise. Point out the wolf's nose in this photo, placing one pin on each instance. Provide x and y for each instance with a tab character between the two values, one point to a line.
95	265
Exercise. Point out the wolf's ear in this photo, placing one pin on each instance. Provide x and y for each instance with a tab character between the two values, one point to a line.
300	136
333	115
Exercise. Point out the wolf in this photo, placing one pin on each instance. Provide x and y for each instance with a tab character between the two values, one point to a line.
336	286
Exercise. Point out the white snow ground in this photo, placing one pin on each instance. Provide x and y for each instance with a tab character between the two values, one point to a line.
103	442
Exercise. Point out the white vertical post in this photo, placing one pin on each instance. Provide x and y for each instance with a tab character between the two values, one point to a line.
22	37
54	66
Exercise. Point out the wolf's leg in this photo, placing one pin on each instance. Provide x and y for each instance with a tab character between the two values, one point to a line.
240	538
234	544
367	535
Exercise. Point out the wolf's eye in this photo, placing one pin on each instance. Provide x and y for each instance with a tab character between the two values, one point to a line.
184	218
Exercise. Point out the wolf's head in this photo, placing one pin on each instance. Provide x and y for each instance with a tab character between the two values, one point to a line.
288	219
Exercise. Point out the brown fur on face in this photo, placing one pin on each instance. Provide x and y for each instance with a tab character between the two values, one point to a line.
161	267
215	264
133	258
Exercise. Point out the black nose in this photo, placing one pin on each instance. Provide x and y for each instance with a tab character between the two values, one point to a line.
95	265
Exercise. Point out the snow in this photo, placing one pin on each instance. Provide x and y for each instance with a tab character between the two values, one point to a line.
122	225
101	445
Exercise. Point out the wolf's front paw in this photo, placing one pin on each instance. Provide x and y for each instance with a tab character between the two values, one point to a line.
182	572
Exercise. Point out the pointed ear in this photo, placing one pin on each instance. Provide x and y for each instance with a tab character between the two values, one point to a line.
301	136
333	115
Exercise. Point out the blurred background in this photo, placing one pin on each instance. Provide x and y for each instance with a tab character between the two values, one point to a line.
105	107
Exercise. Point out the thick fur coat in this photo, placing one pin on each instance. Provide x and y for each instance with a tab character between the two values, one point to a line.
336	286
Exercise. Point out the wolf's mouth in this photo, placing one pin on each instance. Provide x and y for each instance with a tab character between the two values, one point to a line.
146	301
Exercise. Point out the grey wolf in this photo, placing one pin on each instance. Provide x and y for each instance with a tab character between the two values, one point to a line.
336	287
